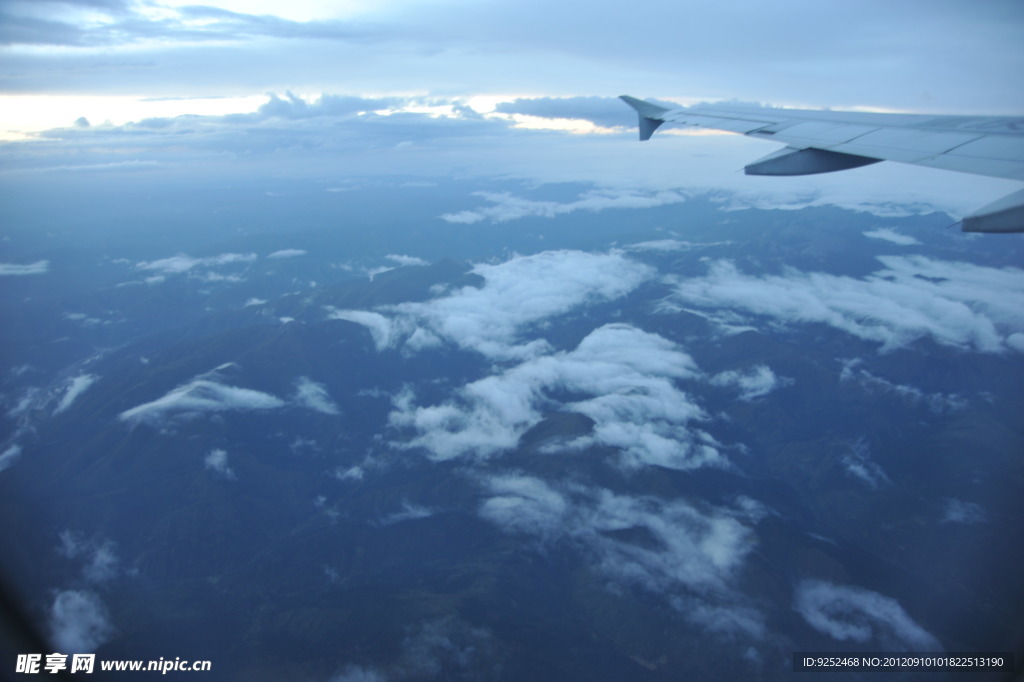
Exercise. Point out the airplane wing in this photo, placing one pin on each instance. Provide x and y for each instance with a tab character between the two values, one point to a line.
825	141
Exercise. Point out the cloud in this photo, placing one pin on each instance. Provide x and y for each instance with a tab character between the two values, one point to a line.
849	613
101	562
287	253
602	111
9	456
970	307
113	24
410	512
444	648
858	463
182	263
507	207
517	294
380	327
406	261
619	376
38	268
217	461
936	402
890	235
28	401
755	382
75	387
958	511
667	245
525	504
327	105
199	396
79	621
666	547
314	396
356	473
524	46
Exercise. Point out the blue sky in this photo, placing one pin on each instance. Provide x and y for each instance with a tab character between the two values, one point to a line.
440	88
939	56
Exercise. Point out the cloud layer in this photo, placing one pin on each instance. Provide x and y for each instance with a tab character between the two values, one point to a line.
666	547
519	293
507	207
217	462
37	268
203	394
75	387
527	46
621	377
79	621
755	382
182	263
970	307
848	613
314	396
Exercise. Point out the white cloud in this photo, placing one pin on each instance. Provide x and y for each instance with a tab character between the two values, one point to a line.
101	562
755	382
79	621
9	456
966	306
314	396
409	512
28	400
890	235
620	376
217	461
666	245
405	261
199	396
378	271
182	263
525	504
858	463
663	546
74	388
380	327
37	268
520	292
356	473
287	253
849	613
507	207
936	402
254	301
958	511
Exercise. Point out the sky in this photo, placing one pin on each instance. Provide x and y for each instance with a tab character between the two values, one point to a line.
125	60
454	88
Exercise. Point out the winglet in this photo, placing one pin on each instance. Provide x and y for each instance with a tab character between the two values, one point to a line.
649	115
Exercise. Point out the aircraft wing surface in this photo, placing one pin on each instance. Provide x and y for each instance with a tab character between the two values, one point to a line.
825	141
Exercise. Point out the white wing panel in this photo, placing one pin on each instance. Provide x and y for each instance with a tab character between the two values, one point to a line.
1002	147
733	125
906	139
822	134
997	168
885	153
